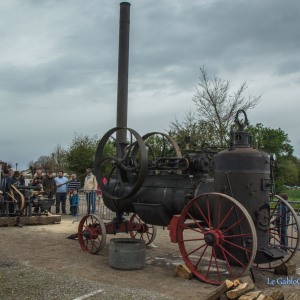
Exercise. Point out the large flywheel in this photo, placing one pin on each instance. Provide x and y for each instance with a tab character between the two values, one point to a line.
162	150
124	169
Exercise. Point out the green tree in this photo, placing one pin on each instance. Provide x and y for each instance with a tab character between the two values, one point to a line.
109	150
270	140
81	153
298	168
276	141
289	171
199	132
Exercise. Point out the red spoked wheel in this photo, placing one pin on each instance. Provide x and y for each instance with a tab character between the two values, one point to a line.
148	232
283	231
217	238
91	234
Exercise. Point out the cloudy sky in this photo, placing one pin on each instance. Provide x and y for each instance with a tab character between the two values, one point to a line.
58	66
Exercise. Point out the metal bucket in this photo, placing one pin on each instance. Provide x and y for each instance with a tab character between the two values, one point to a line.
127	254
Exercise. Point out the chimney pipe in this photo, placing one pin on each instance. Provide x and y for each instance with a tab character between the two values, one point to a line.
122	96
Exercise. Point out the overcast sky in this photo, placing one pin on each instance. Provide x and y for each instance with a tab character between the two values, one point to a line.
58	66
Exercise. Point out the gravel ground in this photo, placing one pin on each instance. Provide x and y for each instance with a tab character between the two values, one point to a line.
39	262
38	283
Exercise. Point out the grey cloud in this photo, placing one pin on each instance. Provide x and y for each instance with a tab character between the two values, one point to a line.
62	54
223	30
289	66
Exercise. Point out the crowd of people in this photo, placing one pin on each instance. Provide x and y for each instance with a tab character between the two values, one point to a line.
57	187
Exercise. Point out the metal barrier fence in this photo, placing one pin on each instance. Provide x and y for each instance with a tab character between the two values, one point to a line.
289	230
296	206
101	210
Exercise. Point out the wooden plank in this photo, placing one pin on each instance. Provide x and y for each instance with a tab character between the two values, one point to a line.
262	297
249	280
182	271
292	296
250	296
5	221
33	220
277	295
238	291
40	220
225	286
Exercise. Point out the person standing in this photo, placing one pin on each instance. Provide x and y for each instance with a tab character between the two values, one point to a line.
74	185
74	201
16	179
38	179
90	187
49	187
283	220
61	192
6	181
22	178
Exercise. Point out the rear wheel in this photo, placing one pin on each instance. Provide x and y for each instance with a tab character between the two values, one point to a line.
148	232
216	237
283	231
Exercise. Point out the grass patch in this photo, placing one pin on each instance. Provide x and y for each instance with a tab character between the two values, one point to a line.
294	195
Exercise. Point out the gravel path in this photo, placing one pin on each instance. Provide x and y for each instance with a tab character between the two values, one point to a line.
39	262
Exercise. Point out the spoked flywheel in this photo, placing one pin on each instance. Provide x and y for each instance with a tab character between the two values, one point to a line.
283	231
163	151
123	169
217	238
148	232
91	234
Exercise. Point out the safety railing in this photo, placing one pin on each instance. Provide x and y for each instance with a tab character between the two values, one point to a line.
100	210
283	223
296	206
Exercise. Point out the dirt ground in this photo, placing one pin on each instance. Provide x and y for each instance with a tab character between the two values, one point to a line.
47	251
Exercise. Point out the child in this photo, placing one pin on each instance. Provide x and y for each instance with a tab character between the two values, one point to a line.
74	201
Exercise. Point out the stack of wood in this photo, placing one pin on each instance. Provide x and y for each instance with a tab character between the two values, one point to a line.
243	289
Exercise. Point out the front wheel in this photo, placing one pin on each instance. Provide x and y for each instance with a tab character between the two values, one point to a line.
91	234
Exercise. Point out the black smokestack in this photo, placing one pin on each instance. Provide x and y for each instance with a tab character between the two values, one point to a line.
122	97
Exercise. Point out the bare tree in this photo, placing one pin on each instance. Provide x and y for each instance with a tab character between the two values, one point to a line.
192	131
59	157
44	162
217	106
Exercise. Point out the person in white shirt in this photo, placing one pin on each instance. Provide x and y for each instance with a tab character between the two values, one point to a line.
61	192
90	187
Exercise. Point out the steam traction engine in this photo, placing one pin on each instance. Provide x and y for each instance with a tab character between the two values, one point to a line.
223	224
219	207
